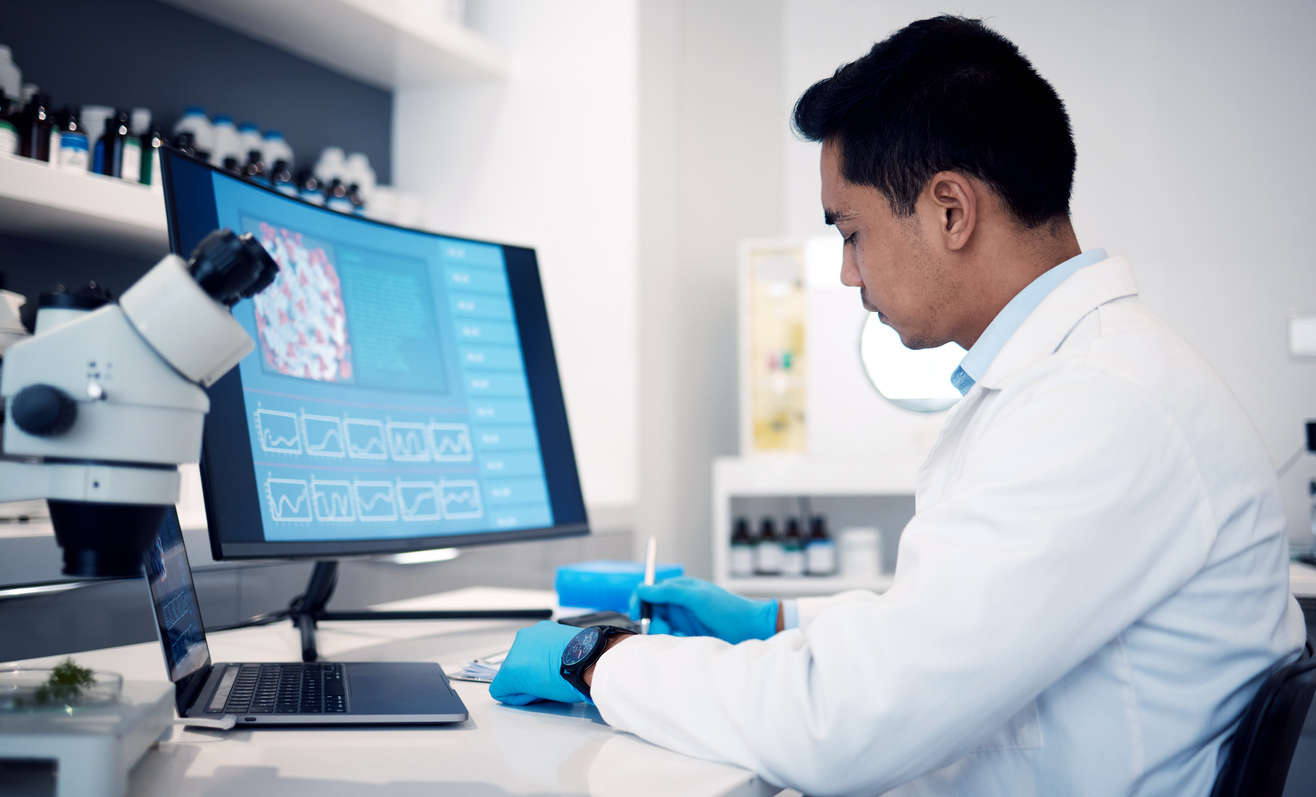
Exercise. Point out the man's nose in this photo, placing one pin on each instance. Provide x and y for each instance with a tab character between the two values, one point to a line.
850	269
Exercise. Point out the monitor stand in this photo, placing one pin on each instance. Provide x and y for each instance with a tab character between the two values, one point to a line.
309	608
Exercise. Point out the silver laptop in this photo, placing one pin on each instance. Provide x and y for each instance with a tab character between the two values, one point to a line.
319	693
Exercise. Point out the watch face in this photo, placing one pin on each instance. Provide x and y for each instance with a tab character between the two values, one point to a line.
580	646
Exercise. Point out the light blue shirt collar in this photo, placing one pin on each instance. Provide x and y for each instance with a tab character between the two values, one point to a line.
1007	322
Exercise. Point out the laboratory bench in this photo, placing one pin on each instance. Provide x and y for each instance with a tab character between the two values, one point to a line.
544	748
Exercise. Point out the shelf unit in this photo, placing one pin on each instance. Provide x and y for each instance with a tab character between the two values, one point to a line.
39	201
784	475
390	44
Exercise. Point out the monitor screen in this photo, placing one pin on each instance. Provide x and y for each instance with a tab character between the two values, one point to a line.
176	613
403	393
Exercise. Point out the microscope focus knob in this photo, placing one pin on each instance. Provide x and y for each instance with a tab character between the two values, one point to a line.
43	410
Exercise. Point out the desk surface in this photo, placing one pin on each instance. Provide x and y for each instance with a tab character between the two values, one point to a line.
545	748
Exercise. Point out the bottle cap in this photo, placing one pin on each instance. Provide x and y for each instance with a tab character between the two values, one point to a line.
193	110
223	119
248	127
273	135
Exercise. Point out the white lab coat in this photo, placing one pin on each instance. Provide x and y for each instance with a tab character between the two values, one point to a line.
1094	582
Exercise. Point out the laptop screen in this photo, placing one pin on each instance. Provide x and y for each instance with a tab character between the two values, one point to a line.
181	633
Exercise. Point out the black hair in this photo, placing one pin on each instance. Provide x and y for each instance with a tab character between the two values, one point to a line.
946	94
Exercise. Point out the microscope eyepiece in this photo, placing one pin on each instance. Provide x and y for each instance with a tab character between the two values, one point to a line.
231	267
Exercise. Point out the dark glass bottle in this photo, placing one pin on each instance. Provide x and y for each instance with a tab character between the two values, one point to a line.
110	149
768	553
37	122
73	152
309	189
792	560
186	144
281	178
254	168
819	551
742	550
152	140
357	199
335	197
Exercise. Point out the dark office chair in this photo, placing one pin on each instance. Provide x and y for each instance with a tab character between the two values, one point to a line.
1263	746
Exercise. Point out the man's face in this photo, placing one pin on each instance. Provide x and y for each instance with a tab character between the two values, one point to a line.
892	260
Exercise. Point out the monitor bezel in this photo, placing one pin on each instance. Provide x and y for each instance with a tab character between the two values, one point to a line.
225	442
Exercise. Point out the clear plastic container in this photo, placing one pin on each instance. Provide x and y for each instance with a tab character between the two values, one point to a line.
28	690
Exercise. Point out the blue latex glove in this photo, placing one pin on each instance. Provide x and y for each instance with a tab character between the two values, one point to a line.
690	607
532	670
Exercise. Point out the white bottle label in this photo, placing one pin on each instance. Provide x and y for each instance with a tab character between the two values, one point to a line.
742	561
792	562
8	141
131	170
821	558
73	153
767	556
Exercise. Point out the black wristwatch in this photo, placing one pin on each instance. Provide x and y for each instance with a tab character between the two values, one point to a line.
583	650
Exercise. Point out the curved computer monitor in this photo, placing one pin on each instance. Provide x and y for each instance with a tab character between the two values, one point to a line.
403	393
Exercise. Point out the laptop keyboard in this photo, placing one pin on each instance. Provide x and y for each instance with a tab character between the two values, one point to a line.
311	688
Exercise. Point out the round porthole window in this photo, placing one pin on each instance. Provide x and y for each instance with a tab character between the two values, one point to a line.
917	380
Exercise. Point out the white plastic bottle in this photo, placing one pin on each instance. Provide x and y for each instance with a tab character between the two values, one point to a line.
358	171
249	138
331	166
226	141
195	121
141	121
11	77
276	148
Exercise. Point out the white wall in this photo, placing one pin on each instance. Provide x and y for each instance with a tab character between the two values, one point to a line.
710	176
1194	124
547	159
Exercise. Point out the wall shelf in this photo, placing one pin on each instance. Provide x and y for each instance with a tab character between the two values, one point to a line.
776	587
390	44
83	209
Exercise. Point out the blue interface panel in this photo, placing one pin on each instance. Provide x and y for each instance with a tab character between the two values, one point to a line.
387	395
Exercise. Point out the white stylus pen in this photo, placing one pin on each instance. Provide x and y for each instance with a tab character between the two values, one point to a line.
650	562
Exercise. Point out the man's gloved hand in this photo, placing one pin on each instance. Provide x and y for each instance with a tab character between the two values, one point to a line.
532	670
690	607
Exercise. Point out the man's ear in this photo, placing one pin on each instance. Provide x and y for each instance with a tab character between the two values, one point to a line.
955	201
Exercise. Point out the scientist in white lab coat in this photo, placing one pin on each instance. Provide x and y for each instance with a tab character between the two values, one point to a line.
1095	581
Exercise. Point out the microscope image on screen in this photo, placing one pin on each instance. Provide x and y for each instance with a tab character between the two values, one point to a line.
300	320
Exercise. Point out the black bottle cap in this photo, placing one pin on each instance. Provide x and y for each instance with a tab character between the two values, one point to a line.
69	122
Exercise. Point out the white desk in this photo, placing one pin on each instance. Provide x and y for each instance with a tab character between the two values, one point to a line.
545	748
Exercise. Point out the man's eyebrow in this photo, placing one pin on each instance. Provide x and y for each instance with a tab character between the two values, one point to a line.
832	217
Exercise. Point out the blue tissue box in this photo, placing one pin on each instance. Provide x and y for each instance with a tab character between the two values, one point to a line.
604	584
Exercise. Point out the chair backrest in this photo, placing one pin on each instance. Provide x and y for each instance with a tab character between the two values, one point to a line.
1267	735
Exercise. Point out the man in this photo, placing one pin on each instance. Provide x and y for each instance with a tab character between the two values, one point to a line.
1095	580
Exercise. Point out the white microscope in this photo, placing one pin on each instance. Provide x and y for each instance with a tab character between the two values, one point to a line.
105	400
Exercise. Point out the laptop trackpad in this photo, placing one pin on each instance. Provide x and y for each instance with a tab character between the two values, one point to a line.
398	688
